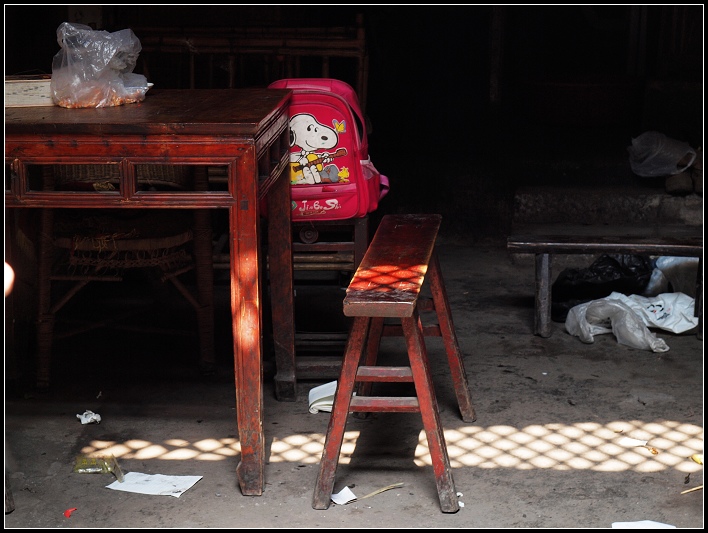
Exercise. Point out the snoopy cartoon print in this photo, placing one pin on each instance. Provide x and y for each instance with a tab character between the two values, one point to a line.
307	164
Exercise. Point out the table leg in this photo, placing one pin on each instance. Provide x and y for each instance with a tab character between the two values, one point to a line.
246	294
281	285
45	316
247	333
245	312
542	320
204	268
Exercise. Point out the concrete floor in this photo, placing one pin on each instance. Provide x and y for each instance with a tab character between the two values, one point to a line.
546	449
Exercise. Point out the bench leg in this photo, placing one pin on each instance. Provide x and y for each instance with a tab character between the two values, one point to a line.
452	347
542	319
425	392
698	302
340	411
9	499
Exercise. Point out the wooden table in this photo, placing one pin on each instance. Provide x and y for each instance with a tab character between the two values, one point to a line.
245	132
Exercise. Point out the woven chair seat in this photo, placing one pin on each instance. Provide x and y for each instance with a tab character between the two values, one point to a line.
120	242
91	230
109	241
107	177
80	246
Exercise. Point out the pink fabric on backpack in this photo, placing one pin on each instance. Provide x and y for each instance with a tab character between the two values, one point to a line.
332	176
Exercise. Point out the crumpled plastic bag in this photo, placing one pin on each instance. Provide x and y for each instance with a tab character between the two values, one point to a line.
673	311
630	317
653	154
599	317
673	274
94	68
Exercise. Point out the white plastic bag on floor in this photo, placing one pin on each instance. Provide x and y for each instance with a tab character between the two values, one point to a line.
673	274
629	319
612	316
672	311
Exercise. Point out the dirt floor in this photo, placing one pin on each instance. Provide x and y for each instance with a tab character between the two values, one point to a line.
546	450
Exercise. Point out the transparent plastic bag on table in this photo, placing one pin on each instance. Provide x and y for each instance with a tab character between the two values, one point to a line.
94	68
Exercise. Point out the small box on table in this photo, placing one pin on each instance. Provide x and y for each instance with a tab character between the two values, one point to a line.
28	91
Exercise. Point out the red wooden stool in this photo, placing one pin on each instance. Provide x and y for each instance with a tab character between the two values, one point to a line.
387	284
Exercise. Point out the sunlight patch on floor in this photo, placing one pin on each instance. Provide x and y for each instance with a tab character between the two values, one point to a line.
614	447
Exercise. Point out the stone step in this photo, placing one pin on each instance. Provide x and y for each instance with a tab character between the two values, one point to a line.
624	205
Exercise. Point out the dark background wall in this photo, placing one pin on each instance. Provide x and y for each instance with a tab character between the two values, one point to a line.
465	101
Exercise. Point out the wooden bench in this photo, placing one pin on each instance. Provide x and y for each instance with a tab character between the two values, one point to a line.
387	284
671	241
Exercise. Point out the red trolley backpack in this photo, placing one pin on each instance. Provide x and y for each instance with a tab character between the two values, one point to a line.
331	174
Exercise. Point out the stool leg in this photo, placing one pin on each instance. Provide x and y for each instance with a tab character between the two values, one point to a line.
340	410
452	347
429	412
372	351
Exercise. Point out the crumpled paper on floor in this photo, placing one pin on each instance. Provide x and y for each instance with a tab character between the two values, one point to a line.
89	417
345	495
155	484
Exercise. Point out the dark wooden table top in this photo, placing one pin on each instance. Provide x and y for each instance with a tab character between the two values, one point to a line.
166	111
